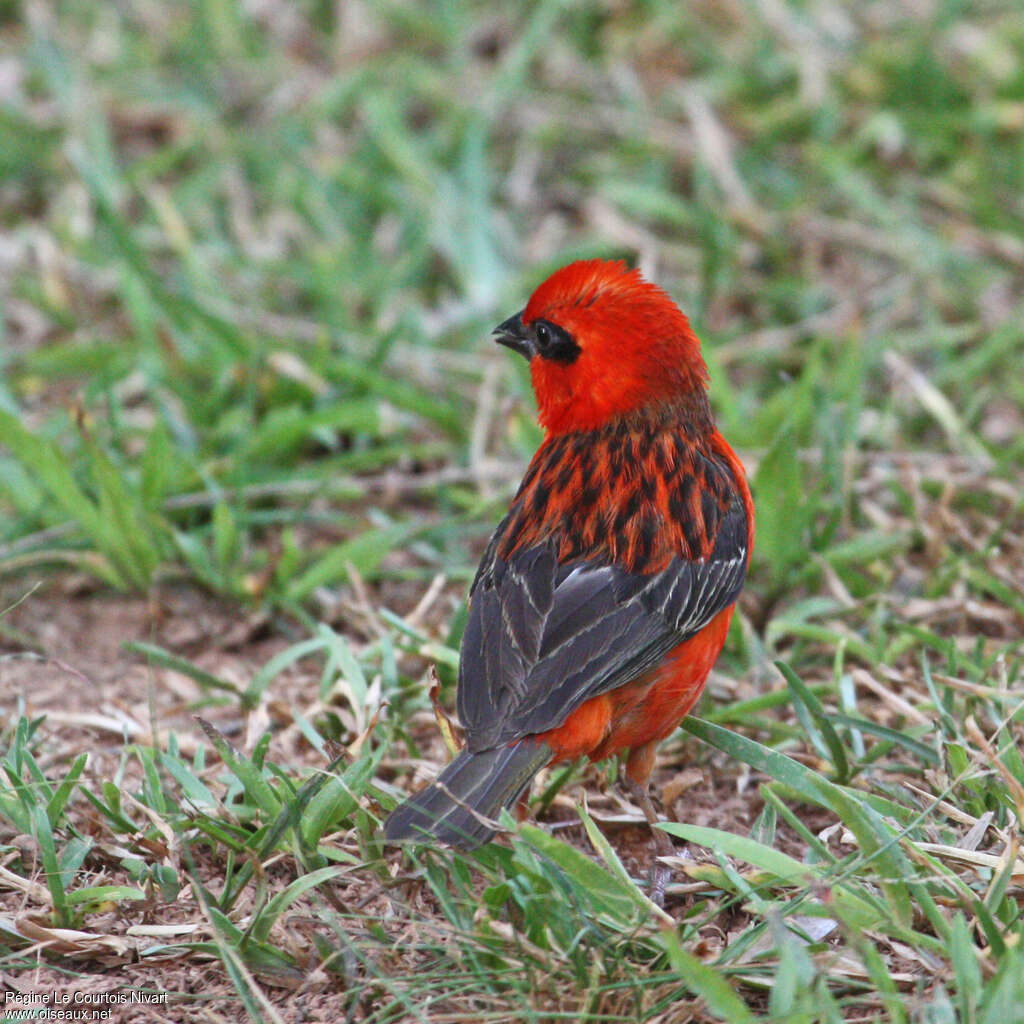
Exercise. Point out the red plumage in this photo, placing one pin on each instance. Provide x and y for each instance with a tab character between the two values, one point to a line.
637	348
606	592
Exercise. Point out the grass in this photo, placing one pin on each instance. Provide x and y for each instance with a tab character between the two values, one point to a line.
249	259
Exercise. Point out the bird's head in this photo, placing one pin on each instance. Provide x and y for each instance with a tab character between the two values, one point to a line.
603	343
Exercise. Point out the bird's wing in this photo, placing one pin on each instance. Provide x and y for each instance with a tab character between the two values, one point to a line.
542	638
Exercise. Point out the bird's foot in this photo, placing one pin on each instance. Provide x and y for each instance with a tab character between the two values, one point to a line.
657	880
659	874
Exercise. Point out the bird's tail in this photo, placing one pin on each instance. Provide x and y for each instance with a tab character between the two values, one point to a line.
460	805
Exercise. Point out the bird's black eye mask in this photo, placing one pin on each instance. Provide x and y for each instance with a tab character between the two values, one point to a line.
554	342
538	338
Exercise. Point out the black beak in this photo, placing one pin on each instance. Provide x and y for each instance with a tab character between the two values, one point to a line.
514	335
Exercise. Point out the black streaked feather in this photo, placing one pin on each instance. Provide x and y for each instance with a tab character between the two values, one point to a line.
599	627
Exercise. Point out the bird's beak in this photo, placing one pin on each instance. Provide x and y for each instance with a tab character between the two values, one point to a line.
513	333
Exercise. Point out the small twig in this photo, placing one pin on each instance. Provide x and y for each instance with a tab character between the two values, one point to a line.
433	592
865	678
937	405
715	147
483	421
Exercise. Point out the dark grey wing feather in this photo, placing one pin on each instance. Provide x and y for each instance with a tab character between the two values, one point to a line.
542	638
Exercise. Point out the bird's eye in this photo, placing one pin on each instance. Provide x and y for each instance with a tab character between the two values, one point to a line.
543	335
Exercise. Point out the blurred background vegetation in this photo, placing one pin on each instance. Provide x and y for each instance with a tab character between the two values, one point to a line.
253	249
251	252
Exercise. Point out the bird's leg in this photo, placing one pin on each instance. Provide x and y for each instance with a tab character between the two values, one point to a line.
636	779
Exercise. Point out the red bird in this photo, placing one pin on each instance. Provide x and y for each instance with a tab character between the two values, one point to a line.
605	594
